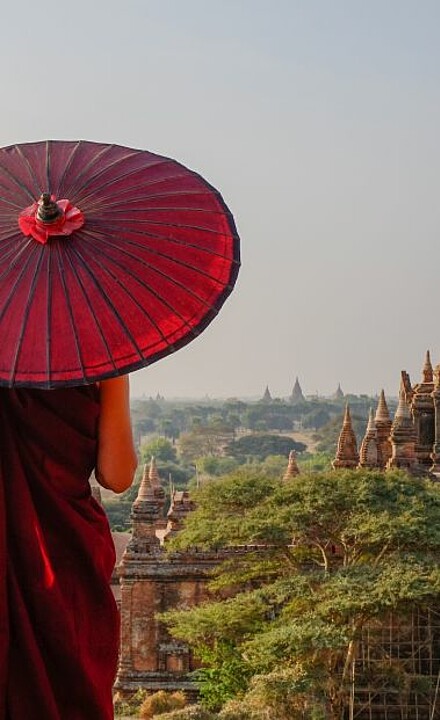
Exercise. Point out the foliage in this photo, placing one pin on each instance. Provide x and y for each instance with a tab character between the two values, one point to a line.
259	446
118	514
216	466
160	448
331	552
223	675
130	707
161	702
209	439
314	462
190	712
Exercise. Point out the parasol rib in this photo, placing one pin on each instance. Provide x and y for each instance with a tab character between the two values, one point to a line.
76	192
89	305
173	281
69	307
25	318
98	156
74	189
131	296
30	170
106	299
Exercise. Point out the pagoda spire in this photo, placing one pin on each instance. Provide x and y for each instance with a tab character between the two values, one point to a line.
181	505
267	397
338	395
153	473
402	435
292	469
383	424
428	372
368	456
423	411
296	396
347	455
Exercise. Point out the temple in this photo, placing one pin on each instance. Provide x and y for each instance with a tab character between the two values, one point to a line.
347	455
296	396
411	441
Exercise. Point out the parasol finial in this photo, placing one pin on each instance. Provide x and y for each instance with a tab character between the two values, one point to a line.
48	211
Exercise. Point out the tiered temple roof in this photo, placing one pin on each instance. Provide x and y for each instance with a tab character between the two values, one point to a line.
403	434
347	455
383	423
368	456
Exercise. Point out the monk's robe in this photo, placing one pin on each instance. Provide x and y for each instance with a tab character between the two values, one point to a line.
58	618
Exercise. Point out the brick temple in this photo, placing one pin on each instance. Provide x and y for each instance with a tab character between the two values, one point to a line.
149	580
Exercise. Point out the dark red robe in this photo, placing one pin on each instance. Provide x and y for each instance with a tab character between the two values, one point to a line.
58	618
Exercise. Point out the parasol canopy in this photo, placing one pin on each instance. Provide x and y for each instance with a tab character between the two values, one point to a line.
110	259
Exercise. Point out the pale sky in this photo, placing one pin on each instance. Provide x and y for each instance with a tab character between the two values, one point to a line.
318	120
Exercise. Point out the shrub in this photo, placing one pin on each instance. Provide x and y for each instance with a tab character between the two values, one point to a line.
161	702
190	712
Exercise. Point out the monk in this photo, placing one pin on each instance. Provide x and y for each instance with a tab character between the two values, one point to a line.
59	626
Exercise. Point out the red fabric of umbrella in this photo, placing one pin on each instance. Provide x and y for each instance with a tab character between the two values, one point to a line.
128	257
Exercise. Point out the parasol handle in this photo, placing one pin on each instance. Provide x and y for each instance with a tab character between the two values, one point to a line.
48	211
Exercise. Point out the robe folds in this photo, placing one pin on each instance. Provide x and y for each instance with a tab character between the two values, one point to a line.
58	618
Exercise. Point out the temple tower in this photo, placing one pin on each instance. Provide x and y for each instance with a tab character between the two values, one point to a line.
435	468
403	436
181	505
292	469
267	397
424	415
151	582
338	394
296	396
383	424
368	456
347	455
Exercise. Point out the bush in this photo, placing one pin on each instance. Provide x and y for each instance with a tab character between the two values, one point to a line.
161	702
191	712
130	707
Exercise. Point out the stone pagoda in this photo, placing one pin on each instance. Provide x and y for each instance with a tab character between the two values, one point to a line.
338	394
403	437
296	396
267	397
152	581
435	456
181	505
383	423
292	467
347	455
368	455
423	412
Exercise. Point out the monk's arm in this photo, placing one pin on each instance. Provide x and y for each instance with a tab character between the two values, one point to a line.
116	460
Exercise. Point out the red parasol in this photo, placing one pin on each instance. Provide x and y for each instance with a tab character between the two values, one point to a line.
110	258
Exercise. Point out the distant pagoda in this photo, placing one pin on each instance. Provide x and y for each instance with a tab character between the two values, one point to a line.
267	397
296	396
347	455
292	469
338	394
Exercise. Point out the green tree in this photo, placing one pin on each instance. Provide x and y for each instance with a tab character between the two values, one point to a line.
331	552
259	446
209	439
160	448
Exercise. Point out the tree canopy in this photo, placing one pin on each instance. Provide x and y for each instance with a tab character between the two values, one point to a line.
325	554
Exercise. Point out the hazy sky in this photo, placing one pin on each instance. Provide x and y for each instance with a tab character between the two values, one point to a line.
319	121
